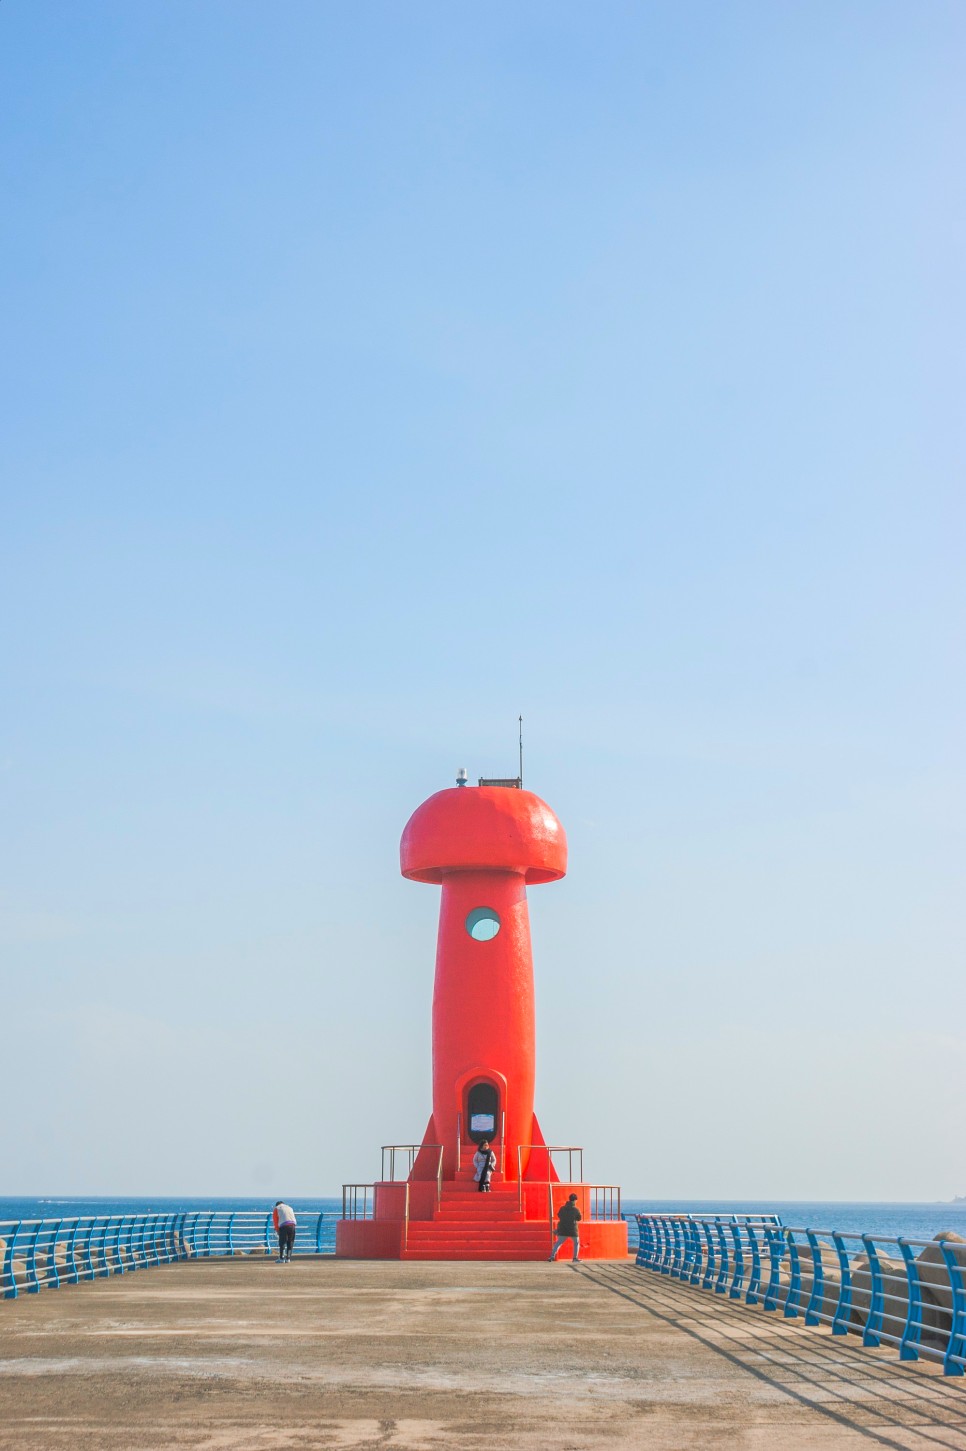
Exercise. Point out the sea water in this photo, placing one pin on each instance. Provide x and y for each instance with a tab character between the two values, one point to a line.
915	1221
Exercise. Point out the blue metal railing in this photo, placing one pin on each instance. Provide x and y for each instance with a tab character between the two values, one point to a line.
37	1254
853	1283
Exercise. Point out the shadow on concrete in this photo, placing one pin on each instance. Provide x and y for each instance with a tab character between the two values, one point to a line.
893	1403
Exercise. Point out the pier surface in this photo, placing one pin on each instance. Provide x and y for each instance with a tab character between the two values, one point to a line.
247	1355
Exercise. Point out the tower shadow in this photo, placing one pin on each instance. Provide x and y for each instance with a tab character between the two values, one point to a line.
908	1406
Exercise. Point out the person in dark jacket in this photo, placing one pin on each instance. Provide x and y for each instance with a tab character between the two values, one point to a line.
568	1217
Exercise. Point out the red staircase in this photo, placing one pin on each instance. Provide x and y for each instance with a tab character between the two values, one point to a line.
468	1225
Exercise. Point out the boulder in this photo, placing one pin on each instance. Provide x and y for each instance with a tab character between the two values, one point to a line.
830	1278
933	1272
895	1293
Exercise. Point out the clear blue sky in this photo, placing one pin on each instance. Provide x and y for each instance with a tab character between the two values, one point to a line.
374	372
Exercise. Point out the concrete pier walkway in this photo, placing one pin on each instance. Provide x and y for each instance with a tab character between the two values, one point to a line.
247	1355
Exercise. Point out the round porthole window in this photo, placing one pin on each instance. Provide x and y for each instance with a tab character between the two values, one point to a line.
482	924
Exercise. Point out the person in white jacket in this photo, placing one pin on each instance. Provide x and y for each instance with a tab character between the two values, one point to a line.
283	1218
484	1162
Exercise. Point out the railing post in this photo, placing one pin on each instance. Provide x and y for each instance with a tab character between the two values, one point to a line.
843	1308
912	1330
231	1237
53	1274
873	1323
318	1235
678	1254
131	1256
106	1227
816	1298
956	1346
157	1221
696	1255
721	1285
687	1253
754	1279
33	1283
269	1226
707	1282
187	1226
646	1241
653	1243
697	1272
659	1229
682	1240
88	1255
684	1248
71	1271
171	1241
776	1243
793	1298
737	1278
9	1278
118	1257
163	1240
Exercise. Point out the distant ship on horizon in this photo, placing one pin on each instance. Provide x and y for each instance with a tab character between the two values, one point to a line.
958	1199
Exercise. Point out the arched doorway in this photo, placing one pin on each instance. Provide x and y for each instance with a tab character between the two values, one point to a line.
482	1111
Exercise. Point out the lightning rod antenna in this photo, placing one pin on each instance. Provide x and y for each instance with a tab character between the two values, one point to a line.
520	722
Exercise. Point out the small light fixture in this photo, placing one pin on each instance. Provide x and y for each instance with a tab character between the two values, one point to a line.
461	776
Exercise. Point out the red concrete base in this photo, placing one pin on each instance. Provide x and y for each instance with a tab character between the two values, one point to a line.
468	1225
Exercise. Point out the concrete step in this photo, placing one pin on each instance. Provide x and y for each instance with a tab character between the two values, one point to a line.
473	1254
477	1252
528	1241
476	1226
467	1190
508	1215
503	1201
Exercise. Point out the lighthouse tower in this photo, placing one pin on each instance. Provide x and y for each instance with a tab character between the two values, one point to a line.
483	845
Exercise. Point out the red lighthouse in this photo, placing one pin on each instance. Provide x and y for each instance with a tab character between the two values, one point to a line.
484	846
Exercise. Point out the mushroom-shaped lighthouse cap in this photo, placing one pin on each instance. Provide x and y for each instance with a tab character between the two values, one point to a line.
482	828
